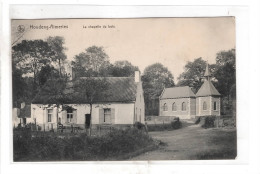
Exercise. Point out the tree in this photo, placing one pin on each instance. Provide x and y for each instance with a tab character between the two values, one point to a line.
19	87
225	75
54	89
225	71
193	74
90	62
91	89
122	69
30	56
47	72
57	45
156	77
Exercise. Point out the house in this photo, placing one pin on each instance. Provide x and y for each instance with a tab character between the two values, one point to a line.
123	106
183	103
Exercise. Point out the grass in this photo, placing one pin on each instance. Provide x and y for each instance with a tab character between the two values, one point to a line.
116	145
222	145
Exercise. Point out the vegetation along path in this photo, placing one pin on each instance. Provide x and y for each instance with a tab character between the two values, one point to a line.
193	142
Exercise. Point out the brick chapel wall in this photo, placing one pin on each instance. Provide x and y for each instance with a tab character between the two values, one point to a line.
178	113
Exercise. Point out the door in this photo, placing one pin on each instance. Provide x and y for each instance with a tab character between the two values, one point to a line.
87	120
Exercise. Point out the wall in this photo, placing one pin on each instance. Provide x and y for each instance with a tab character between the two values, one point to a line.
193	107
124	113
139	104
15	119
210	106
179	113
216	112
199	103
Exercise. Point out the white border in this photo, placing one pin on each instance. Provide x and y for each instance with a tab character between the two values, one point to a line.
248	144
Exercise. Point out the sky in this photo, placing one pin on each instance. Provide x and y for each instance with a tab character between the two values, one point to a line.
144	41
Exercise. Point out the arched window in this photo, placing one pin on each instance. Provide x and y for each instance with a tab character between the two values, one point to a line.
165	108
215	106
204	106
183	106
174	107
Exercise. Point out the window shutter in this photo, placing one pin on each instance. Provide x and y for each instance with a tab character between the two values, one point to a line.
112	116
101	116
74	116
63	117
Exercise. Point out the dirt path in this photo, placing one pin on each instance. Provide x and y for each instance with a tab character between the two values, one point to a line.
186	143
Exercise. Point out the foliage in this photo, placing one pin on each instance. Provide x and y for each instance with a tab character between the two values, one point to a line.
57	46
155	78
122	69
193	74
47	72
176	124
19	87
91	62
31	55
54	92
139	125
91	88
226	72
113	146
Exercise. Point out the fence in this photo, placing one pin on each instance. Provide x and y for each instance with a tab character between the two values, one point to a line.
96	130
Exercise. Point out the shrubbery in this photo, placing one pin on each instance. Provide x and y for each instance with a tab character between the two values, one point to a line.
114	145
206	121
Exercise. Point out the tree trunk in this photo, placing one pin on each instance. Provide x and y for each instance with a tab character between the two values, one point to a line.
90	125
57	117
59	68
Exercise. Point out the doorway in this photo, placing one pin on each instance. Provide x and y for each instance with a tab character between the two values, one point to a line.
87	120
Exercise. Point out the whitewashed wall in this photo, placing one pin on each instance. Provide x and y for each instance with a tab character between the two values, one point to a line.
124	113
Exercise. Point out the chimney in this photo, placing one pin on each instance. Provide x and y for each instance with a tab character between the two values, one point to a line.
69	72
22	105
137	76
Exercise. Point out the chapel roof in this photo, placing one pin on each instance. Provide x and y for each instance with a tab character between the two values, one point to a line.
119	89
207	89
177	92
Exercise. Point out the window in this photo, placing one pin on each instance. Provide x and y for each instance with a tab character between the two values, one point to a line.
69	115
174	107
183	106
107	115
165	107
215	106
50	111
204	106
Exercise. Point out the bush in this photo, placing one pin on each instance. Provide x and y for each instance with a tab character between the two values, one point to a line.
29	146
208	121
139	125
176	124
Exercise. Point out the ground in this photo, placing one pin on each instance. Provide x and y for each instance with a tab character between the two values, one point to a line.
193	142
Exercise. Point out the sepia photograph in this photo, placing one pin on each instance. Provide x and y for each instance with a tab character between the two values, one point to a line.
124	89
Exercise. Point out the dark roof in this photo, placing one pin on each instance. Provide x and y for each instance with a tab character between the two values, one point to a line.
177	92
120	89
25	112
207	89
